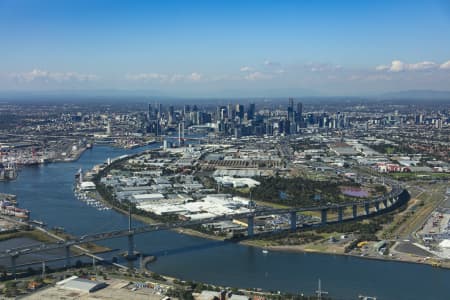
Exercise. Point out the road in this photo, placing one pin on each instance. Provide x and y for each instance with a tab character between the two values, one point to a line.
63	243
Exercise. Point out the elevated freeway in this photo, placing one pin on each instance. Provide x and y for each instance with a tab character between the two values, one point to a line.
370	207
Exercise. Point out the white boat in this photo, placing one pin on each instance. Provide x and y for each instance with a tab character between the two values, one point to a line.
265	251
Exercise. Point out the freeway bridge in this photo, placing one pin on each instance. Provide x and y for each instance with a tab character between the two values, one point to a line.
389	202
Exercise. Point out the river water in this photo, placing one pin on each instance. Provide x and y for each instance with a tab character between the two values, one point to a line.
47	191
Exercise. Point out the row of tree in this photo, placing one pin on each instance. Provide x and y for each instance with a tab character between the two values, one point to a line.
298	191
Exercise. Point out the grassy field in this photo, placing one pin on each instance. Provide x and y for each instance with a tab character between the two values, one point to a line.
424	200
270	204
40	236
420	176
32	234
93	248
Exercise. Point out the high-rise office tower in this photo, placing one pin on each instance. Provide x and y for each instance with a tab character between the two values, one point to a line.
150	112
299	115
171	115
291	109
240	110
153	123
187	109
159	110
299	108
251	111
230	112
221	113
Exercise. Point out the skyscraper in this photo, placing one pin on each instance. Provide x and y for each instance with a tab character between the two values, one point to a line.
150	112
251	111
240	110
159	110
152	124
171	115
300	109
230	112
299	115
291	109
187	109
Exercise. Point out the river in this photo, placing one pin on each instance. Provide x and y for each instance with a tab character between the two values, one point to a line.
47	191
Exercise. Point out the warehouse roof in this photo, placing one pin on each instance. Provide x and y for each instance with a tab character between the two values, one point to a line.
81	284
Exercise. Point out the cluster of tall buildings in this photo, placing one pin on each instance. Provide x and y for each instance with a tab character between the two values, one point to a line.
239	119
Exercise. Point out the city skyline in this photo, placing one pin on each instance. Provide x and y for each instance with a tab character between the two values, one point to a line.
225	48
224	149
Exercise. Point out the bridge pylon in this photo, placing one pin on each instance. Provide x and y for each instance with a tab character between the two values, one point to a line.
293	220
131	254
355	211
367	208
324	216
377	206
67	248
391	201
340	214
14	264
250	225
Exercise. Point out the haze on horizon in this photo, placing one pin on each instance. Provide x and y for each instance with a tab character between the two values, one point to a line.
223	48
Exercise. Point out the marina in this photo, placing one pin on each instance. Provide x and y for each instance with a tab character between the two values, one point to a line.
85	192
83	196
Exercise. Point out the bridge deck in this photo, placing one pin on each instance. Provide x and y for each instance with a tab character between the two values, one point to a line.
396	191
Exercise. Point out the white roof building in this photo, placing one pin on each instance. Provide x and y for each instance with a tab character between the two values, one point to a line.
148	197
80	284
445	244
87	186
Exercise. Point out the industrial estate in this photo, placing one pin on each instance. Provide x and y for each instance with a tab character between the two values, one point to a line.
224	150
364	180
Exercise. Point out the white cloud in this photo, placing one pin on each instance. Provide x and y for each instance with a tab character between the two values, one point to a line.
269	63
445	66
269	70
164	77
195	76
382	68
400	66
246	69
321	67
147	76
258	76
177	77
424	65
47	76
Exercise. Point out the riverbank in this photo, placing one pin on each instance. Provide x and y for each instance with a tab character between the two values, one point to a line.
74	155
321	248
47	192
321	245
70	159
308	249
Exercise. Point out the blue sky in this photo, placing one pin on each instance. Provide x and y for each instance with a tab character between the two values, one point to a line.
220	47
